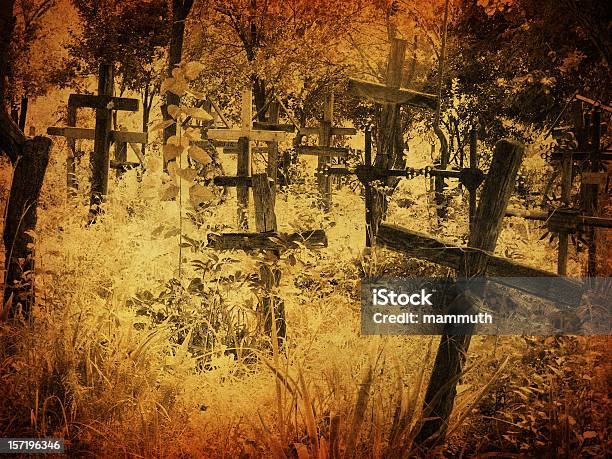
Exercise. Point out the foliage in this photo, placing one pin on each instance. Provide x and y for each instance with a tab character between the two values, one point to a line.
519	61
28	75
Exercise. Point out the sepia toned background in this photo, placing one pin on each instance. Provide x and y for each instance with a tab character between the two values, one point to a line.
128	331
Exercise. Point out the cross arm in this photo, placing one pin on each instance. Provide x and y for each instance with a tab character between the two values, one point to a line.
235	134
267	241
89	134
387	95
424	247
313	150
109	102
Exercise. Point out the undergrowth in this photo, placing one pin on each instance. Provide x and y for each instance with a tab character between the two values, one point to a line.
145	343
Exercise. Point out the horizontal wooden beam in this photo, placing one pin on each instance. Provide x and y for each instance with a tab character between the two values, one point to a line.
112	103
385	95
581	155
333	131
232	181
236	150
235	134
593	103
583	220
265	126
313	150
313	239
338	171
89	134
424	247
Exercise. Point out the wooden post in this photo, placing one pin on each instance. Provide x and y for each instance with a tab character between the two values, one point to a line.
389	154
452	351
592	191
272	306
566	189
100	159
120	156
324	181
473	166
72	184
21	219
370	237
272	168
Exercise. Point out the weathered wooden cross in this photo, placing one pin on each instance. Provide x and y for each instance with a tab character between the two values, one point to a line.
476	260
582	143
104	104
324	151
245	135
391	95
266	239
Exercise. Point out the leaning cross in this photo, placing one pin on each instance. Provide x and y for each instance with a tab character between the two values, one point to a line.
245	135
104	104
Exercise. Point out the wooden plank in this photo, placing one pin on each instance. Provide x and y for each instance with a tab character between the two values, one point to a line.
232	181
72	183
100	158
20	222
581	155
72	132
338	171
269	126
89	134
313	239
452	351
243	169
235	150
334	131
235	134
382	94
473	166
593	103
315	150
128	137
263	199
273	153
566	190
103	101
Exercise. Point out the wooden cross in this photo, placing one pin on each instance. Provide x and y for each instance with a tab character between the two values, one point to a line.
245	135
269	240
476	260
581	143
391	95
324	151
104	104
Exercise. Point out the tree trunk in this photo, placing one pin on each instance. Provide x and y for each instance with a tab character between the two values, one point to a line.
7	22
21	220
